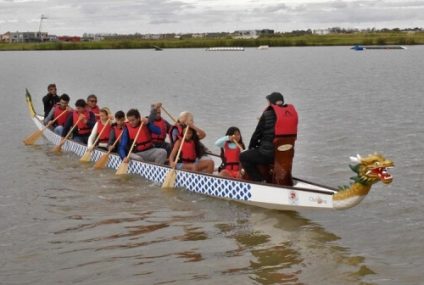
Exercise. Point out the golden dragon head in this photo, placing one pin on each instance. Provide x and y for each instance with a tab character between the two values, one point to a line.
372	168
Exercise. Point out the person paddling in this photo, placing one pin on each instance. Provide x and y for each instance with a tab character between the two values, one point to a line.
231	145
144	149
85	125
50	100
184	119
191	152
59	114
273	139
102	128
92	105
164	126
117	129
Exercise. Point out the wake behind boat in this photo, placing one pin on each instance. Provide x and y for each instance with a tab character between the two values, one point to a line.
303	194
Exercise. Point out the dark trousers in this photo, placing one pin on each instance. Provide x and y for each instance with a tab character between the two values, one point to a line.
251	159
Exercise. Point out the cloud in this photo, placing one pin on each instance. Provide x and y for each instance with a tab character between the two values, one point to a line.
153	16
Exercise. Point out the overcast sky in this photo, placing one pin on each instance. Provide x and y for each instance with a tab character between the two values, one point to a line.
75	17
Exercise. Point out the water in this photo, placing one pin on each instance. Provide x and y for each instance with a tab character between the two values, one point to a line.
61	222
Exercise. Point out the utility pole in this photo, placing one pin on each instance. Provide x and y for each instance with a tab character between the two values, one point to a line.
39	28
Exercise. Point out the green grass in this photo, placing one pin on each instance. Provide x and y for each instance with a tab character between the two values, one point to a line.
285	40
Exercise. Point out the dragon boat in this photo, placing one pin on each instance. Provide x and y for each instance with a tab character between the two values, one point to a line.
303	194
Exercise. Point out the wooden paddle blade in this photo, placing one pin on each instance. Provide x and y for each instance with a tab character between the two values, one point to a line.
102	162
86	157
57	149
122	169
31	139
170	178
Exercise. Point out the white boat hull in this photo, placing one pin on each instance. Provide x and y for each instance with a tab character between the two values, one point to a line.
302	195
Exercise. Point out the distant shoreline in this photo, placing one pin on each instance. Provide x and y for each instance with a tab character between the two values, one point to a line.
391	38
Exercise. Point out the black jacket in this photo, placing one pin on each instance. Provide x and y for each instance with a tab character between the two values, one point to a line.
263	137
49	101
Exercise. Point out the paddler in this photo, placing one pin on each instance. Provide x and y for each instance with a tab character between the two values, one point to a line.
56	112
102	128
117	129
144	149
272	143
231	146
164	126
92	105
191	152
85	125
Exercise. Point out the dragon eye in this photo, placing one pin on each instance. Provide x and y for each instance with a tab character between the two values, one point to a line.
377	163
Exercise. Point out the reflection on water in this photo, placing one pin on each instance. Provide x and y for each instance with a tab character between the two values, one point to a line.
130	231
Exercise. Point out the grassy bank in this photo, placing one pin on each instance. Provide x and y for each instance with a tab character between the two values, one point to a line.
275	41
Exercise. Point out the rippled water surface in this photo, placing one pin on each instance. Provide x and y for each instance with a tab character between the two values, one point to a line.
63	223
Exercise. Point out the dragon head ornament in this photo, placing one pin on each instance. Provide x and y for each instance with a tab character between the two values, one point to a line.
372	169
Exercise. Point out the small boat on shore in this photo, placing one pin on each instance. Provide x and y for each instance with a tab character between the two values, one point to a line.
360	48
303	194
225	49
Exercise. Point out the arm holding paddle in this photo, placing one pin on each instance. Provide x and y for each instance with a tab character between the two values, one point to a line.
92	137
171	176
123	167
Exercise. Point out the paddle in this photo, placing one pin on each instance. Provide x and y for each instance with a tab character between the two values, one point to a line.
87	155
168	114
58	148
123	167
237	144
171	176
102	162
31	139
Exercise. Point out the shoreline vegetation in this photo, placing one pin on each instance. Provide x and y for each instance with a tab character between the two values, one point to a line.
377	38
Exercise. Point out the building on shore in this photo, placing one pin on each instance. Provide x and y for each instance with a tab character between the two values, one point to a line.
24	37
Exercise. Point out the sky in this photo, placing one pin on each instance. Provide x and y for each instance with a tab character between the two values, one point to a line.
75	17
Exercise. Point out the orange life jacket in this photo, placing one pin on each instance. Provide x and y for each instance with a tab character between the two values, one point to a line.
83	128
118	131
162	125
180	133
144	140
287	120
57	111
232	157
188	152
96	112
106	133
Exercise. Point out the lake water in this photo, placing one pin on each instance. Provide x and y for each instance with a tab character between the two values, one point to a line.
63	223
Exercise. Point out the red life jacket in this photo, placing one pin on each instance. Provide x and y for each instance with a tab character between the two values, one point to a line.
144	140
83	128
287	120
57	111
188	152
96	112
162	125
105	135
118	132
232	157
180	133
